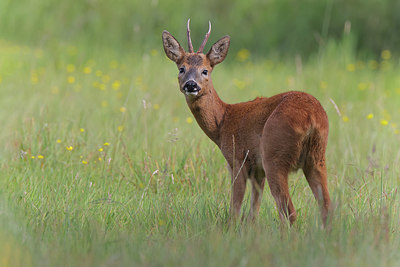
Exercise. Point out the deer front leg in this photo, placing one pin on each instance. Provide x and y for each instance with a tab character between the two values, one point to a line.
238	185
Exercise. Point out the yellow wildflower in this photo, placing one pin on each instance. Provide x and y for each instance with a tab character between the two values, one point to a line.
345	118
386	115
384	122
91	62
360	65
120	128
243	55
139	80
58	141
370	116
113	64
116	85
55	90
70	68
154	52
82	130
351	67
34	78
239	83
71	79
84	162
106	144
372	64
122	109
362	86
87	70
105	78
101	149
104	104
189	120
40	157
78	88
386	54
69	148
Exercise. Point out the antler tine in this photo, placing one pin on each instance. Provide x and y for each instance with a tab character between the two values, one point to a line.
189	39
205	38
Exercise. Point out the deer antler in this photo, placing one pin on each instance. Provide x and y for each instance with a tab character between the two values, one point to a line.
189	39
205	38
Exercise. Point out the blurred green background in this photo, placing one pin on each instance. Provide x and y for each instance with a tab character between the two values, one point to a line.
282	27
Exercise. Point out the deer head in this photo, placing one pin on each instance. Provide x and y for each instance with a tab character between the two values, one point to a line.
195	68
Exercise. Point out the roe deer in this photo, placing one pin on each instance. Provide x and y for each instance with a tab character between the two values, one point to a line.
265	138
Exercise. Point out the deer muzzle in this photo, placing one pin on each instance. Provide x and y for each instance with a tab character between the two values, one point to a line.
191	88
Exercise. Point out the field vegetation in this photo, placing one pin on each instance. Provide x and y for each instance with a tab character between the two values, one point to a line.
102	163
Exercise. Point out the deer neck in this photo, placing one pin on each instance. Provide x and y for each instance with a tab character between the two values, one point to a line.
209	111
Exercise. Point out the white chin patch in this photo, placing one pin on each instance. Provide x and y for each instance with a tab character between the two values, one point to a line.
192	93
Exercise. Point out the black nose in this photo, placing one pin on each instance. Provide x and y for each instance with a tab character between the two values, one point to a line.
191	86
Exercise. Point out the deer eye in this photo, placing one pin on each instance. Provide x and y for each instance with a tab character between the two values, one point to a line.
204	72
181	70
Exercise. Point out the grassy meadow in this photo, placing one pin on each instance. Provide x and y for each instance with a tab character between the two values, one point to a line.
102	163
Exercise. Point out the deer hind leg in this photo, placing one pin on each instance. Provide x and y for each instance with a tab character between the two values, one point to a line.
256	196
315	172
278	184
280	152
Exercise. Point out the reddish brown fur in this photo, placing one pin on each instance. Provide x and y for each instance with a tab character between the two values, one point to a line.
264	138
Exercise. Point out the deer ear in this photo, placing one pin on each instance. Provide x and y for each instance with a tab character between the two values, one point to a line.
219	50
172	48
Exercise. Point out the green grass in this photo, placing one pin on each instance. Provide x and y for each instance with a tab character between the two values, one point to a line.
158	192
